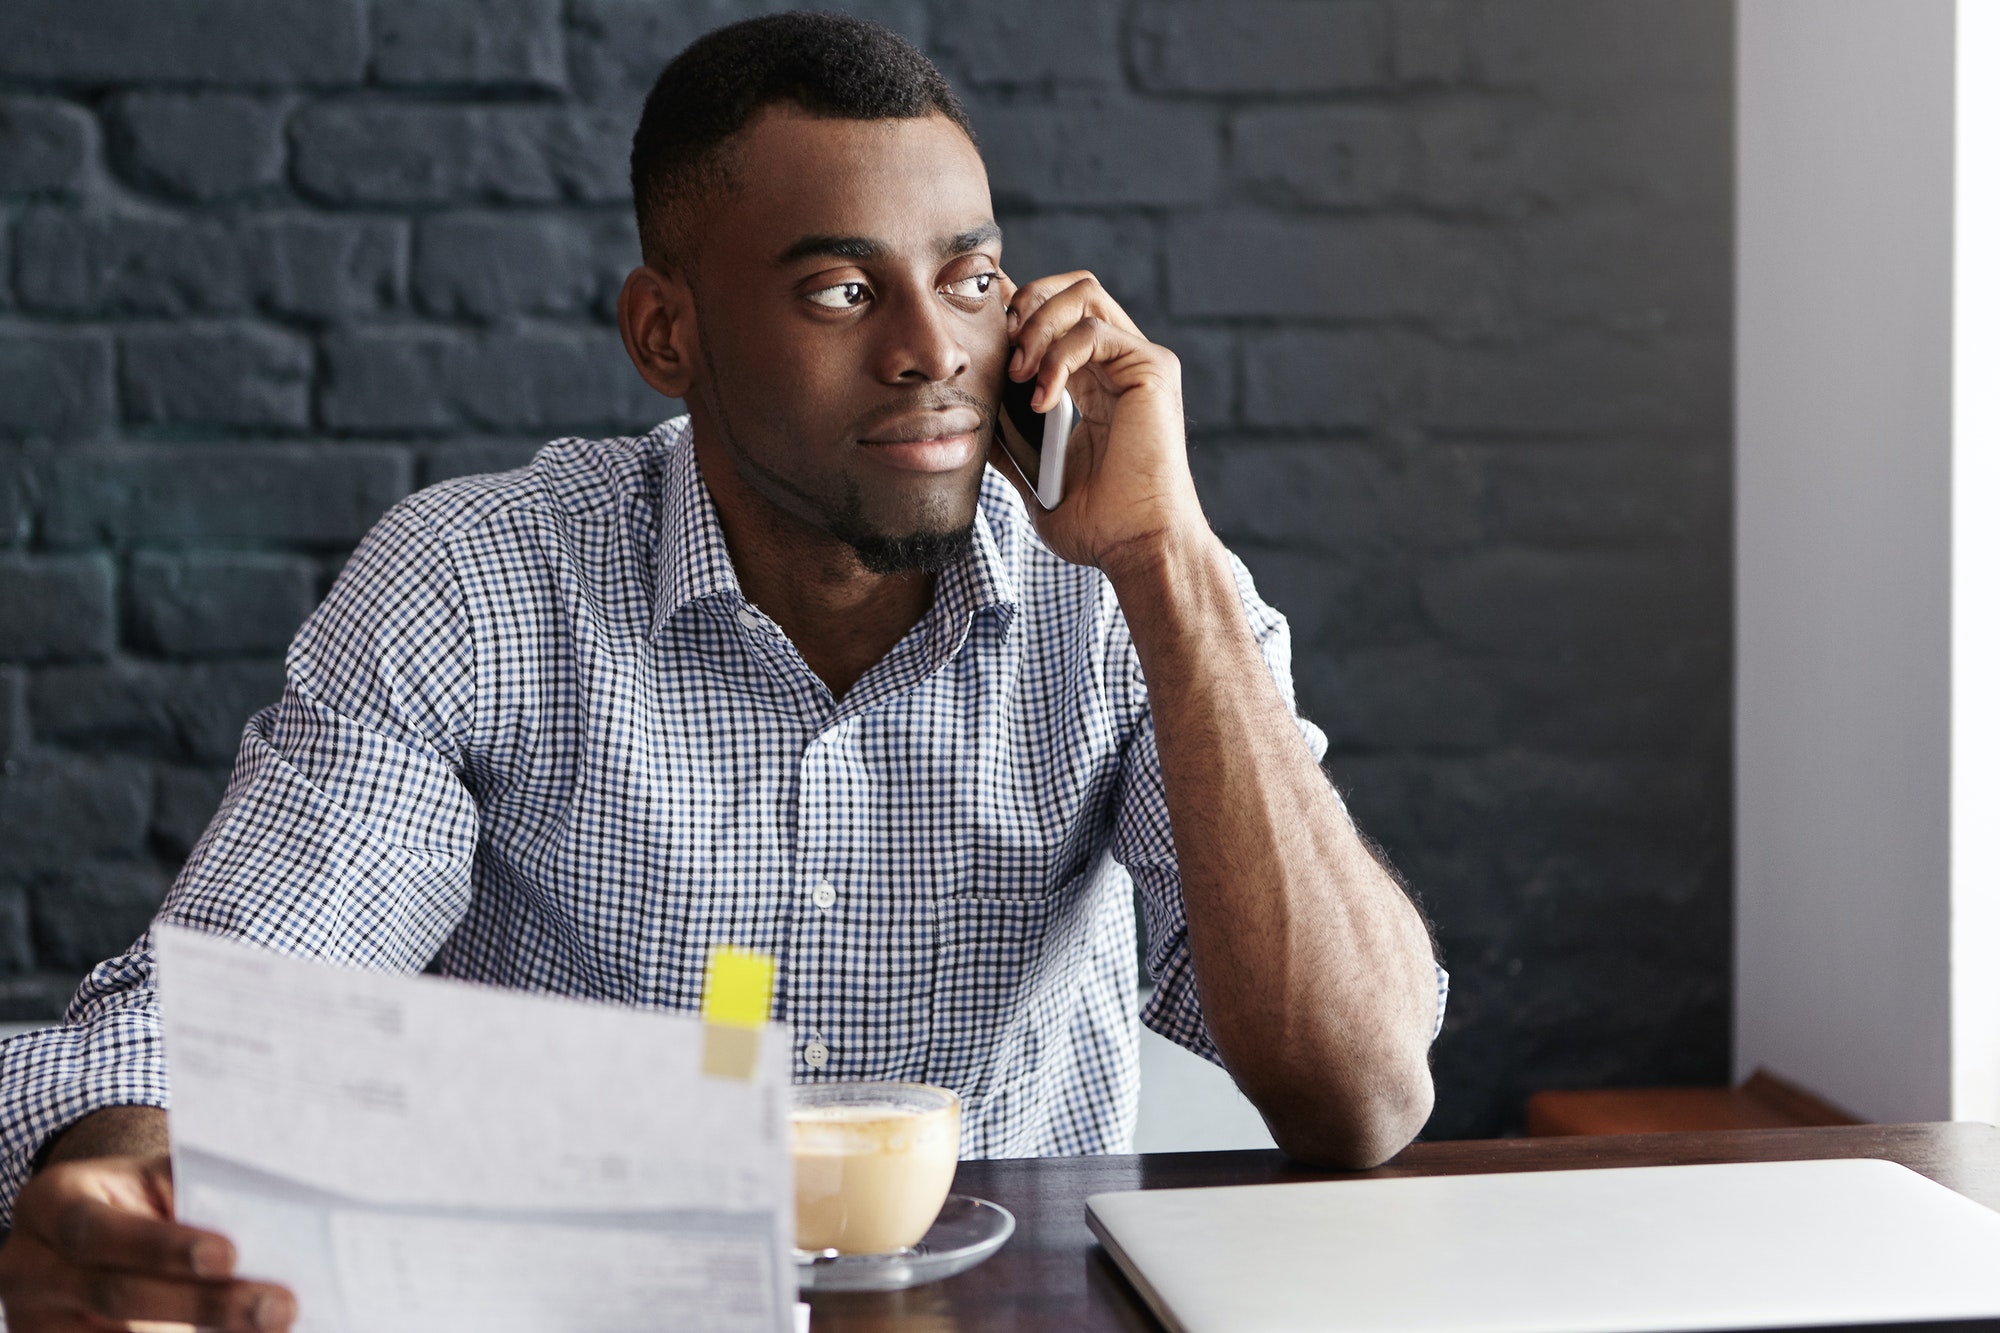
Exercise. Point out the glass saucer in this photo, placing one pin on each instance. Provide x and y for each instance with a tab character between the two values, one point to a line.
967	1230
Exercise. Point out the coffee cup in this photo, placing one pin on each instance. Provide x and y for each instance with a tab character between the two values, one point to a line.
871	1163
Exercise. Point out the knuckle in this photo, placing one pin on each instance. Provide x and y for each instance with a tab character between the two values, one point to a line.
106	1294
73	1228
225	1307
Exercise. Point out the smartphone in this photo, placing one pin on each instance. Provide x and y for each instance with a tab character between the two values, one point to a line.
1038	442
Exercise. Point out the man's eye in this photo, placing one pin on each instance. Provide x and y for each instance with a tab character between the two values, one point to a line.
973	287
844	296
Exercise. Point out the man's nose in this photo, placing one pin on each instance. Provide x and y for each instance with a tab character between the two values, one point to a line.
925	344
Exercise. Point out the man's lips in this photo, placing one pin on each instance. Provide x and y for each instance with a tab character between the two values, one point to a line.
927	441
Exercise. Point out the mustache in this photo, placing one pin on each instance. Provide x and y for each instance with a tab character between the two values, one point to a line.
937	399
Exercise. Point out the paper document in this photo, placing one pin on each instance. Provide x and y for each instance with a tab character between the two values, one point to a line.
410	1153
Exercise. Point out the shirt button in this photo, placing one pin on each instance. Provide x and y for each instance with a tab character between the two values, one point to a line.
749	619
816	1053
824	895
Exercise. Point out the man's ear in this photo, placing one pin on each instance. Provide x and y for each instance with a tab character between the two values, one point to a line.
656	318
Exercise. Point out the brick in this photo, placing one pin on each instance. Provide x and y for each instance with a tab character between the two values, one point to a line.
1035	43
1427	40
357	154
191	712
618	47
184	801
1122	251
317	268
295	494
487	266
422	379
211	604
54	384
1409	697
45	144
1252	264
1313	380
94	911
1332	497
37	998
54	608
464	458
328	268
90	263
241	42
512	43
1208	357
1618	268
1658	151
1491	159
58	809
17	936
1588	52
1322	157
1259	46
1336	603
1576	385
1100	151
13	710
18	470
201	146
1671	669
1543	602
1563	495
244	376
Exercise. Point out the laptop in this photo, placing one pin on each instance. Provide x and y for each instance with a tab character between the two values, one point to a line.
1754	1245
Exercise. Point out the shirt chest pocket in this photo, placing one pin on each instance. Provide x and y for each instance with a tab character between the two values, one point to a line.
1030	842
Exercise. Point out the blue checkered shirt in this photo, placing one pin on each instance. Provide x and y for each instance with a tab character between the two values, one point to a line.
537	737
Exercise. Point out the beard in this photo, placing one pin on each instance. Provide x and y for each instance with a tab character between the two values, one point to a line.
931	549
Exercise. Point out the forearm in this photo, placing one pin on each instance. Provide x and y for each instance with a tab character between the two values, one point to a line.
1316	973
115	1131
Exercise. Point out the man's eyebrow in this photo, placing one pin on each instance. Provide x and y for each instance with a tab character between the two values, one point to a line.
984	234
867	247
832	247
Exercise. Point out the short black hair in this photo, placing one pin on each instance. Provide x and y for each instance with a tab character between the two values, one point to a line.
831	65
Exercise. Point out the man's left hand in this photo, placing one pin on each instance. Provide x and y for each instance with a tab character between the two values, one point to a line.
1127	489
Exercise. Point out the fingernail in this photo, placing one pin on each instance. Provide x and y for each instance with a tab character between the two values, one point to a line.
209	1258
267	1313
1014	365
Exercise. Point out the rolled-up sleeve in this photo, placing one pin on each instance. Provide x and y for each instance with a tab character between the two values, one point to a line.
1143	841
346	832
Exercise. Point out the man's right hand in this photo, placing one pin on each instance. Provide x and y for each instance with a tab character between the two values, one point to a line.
95	1246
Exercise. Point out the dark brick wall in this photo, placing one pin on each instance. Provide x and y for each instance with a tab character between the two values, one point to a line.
1449	278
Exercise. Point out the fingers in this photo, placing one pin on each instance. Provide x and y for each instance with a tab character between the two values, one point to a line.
1047	308
242	1307
70	1213
1122	357
94	1245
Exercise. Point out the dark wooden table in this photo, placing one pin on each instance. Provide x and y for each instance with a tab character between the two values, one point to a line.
1053	1275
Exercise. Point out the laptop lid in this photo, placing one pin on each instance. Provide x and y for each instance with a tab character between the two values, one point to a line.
1622	1250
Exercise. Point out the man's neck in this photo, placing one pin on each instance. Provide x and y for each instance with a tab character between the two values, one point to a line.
842	617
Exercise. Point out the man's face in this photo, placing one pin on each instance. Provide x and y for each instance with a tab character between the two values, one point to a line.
852	328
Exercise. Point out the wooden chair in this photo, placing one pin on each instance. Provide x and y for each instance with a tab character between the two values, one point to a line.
1762	1101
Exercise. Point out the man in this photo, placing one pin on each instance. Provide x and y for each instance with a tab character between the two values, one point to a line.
795	673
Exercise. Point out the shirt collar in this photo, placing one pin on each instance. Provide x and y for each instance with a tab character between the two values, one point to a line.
694	559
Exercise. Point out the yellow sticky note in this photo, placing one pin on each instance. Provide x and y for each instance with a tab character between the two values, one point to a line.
737	990
735	1006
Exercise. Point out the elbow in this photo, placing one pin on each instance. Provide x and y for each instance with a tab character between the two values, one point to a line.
1354	1129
